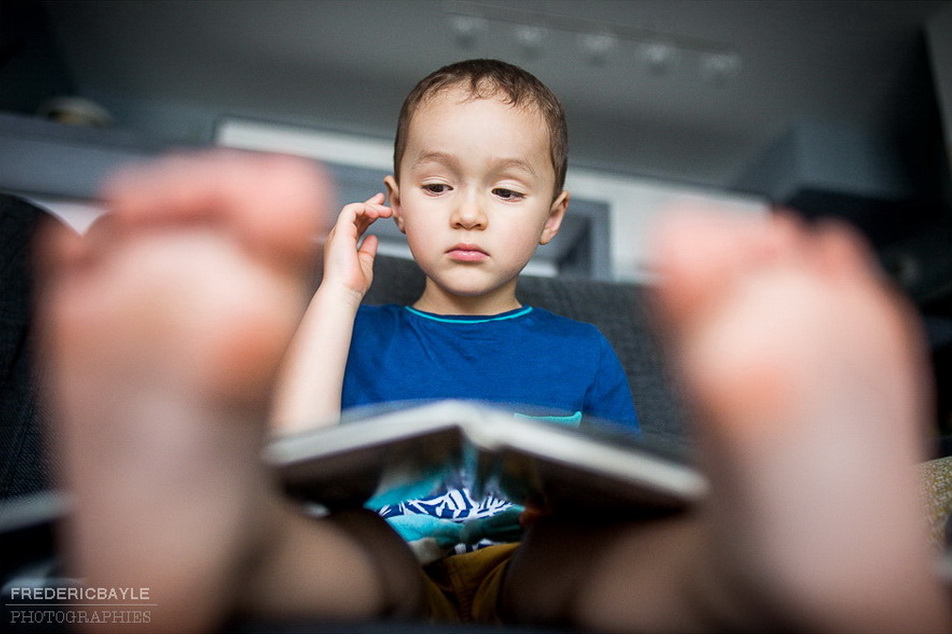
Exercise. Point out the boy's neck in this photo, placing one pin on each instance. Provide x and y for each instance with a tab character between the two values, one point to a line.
438	301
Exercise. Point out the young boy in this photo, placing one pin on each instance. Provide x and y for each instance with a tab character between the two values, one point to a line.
479	166
163	332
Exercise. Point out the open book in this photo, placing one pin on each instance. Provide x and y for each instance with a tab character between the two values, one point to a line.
530	462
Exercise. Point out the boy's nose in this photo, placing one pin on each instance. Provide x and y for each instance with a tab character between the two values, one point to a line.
469	214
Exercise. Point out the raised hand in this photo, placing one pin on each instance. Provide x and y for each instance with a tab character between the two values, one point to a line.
348	262
308	393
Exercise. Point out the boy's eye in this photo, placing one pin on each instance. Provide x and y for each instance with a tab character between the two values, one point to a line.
436	188
507	194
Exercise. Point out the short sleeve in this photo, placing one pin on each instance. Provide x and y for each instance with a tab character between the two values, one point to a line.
609	397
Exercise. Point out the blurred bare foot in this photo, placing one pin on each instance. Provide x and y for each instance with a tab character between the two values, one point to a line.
807	378
163	329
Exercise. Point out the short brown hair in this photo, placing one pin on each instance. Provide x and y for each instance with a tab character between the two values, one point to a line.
489	78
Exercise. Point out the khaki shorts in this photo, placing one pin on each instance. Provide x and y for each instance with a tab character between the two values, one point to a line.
466	588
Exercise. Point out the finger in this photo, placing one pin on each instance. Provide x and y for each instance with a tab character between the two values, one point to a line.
369	215
366	255
364	220
374	201
377	202
354	213
368	248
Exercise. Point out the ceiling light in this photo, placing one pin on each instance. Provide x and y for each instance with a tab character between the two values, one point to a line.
530	39
597	47
658	56
719	68
534	31
467	29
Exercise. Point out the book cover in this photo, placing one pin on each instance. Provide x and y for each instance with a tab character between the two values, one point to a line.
530	462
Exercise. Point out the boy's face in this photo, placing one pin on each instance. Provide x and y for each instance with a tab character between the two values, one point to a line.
475	198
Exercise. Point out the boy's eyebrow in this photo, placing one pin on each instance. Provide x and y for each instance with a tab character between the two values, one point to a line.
515	163
500	164
437	157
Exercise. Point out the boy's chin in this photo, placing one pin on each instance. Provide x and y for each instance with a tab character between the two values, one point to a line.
472	286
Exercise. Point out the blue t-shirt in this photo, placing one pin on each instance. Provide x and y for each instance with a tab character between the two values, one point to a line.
524	357
530	360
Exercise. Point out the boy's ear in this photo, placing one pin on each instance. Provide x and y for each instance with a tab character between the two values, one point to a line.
393	193
556	214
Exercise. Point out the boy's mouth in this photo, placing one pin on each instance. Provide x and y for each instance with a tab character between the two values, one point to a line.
465	252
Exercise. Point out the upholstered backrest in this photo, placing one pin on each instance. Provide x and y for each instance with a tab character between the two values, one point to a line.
24	465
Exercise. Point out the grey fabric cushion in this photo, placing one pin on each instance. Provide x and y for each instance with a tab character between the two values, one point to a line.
619	310
24	465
